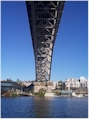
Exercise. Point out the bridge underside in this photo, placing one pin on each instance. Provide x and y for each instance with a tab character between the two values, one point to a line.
44	18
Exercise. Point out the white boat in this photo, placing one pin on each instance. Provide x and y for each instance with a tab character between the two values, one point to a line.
80	95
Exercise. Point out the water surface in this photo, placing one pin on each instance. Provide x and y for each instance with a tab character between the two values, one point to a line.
41	107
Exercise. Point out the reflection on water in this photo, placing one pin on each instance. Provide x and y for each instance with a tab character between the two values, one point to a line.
41	107
44	107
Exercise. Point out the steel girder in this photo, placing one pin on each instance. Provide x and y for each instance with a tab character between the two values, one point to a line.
44	18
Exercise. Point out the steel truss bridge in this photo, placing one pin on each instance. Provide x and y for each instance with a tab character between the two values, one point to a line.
44	19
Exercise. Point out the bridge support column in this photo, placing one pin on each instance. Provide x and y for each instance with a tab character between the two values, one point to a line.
44	18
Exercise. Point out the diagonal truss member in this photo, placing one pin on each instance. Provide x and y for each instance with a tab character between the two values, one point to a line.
44	18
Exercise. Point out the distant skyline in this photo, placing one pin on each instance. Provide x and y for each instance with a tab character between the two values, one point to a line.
70	55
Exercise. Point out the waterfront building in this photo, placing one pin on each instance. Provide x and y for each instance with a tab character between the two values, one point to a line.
9	85
71	83
65	93
83	82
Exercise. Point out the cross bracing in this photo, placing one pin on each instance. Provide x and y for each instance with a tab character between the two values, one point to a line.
44	18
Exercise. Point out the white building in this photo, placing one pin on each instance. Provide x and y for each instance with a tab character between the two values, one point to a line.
76	83
55	83
83	82
72	82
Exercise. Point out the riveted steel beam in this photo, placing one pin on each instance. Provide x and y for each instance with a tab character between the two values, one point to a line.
44	18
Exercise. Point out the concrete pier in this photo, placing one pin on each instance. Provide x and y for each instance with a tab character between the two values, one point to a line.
47	86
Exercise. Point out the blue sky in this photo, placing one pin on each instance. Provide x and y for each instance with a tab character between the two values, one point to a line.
70	55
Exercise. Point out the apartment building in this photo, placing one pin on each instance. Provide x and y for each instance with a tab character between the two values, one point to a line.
83	82
76	82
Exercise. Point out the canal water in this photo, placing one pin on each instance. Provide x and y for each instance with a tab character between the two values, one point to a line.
41	107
